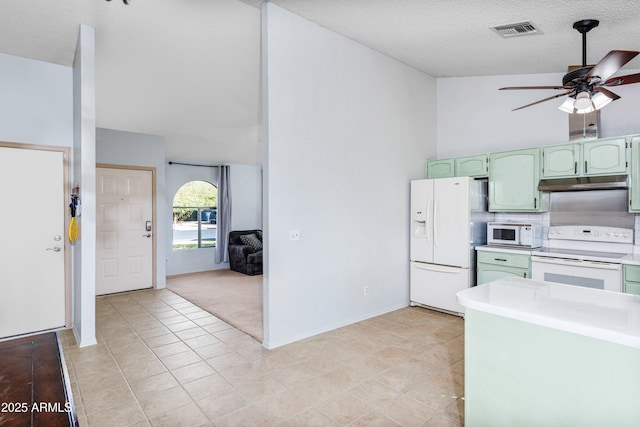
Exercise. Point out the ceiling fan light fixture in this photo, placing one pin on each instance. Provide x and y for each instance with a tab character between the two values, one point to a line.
587	110
583	101
599	100
567	105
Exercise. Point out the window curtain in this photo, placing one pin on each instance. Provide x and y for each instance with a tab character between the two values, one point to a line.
224	215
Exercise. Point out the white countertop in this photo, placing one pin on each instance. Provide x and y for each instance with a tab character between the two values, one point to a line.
632	259
609	316
506	249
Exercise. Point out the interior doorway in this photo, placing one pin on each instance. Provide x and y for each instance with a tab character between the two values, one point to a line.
125	228
35	287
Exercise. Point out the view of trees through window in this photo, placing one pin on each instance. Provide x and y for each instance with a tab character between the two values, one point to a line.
195	216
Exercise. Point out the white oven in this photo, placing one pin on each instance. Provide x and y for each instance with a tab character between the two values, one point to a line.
586	256
590	274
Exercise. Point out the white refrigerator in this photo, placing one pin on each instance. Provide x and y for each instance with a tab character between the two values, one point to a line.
448	219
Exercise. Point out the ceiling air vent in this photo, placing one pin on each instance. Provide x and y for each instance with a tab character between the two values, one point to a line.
514	30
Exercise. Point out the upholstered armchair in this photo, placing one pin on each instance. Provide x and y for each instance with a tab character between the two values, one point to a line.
245	251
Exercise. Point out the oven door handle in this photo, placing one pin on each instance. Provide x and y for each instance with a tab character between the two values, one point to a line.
576	263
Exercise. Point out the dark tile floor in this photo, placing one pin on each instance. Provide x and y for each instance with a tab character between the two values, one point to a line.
32	388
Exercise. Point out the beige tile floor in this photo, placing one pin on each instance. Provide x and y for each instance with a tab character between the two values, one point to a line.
162	361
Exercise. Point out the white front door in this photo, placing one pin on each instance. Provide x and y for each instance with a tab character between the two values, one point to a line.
32	253
124	211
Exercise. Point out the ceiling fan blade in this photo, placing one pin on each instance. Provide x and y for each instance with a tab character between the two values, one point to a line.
607	92
543	100
534	87
623	80
611	63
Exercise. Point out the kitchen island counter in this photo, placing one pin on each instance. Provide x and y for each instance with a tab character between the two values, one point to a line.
540	353
610	316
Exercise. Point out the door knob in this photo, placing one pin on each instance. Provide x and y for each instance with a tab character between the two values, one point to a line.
54	249
146	235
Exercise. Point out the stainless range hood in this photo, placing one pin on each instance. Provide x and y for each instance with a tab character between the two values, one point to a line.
613	182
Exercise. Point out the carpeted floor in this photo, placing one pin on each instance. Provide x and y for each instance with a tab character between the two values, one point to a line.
231	296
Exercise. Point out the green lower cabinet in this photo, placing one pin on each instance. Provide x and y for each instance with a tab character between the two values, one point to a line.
443	168
488	273
496	265
473	166
632	279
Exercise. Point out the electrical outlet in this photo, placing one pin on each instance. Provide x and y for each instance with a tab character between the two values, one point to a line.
366	291
294	235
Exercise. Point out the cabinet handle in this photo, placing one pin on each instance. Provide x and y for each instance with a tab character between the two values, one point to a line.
500	259
585	166
535	203
575	168
524	274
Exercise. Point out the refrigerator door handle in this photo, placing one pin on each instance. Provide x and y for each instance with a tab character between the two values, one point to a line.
431	267
429	225
435	223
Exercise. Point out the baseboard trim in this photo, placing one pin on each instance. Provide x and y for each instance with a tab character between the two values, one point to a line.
270	345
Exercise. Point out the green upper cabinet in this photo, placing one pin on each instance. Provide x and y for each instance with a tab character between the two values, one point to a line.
601	157
562	161
605	157
473	166
634	187
513	182
443	168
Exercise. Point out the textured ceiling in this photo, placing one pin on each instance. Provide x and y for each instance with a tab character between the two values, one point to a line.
452	37
189	69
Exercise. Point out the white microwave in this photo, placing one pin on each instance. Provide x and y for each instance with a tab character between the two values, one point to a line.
514	234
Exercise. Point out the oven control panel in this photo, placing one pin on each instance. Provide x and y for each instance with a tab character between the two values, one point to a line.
591	233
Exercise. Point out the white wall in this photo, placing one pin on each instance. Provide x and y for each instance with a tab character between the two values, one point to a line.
246	211
36	105
136	149
475	117
347	128
84	175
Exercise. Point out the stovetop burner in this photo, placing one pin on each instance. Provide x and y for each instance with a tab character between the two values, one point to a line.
592	243
580	254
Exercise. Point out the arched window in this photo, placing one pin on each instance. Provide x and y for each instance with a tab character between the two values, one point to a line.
195	216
